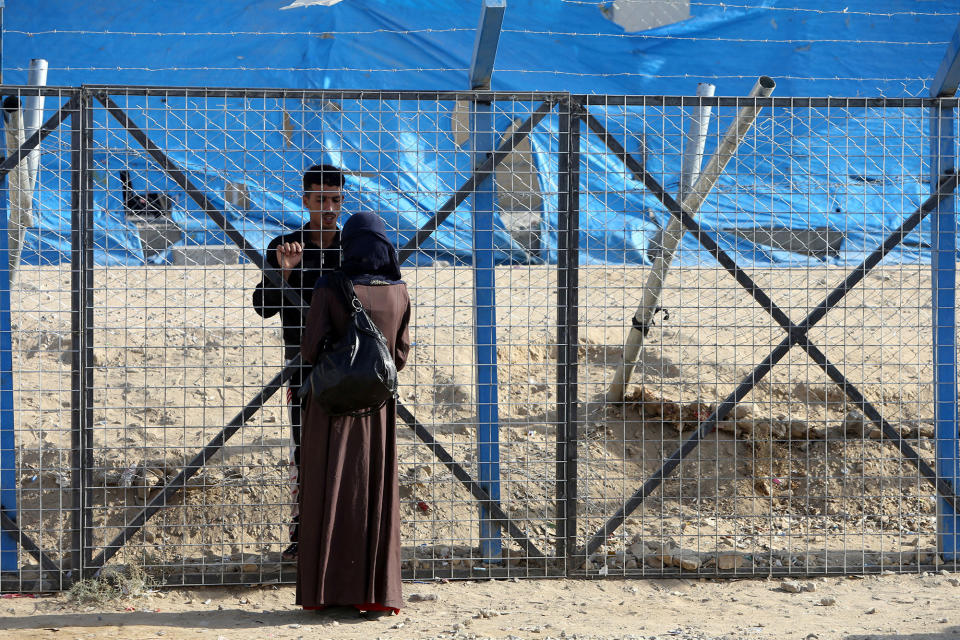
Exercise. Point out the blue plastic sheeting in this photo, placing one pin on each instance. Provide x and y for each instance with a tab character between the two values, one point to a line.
854	172
849	49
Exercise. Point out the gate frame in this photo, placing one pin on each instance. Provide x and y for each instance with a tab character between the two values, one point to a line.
497	516
945	186
572	113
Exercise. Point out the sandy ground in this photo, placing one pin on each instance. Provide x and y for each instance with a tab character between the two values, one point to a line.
916	607
794	481
795	478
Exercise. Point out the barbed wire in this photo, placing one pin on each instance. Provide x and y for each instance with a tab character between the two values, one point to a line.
683	76
321	34
845	11
644	36
357	69
694	76
566	34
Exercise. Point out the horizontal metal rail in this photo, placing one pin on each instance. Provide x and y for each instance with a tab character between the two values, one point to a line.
780	102
329	94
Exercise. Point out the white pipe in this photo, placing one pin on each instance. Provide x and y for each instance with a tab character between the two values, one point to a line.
18	200
691	203
33	116
694	142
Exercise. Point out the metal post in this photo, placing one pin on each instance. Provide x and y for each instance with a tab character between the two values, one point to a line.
943	265
33	115
8	489
20	216
944	300
86	343
568	262
485	328
693	145
81	258
1	40
483	145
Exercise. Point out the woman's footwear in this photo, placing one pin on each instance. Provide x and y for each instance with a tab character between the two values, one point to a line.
378	609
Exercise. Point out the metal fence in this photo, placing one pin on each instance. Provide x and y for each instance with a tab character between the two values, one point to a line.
779	418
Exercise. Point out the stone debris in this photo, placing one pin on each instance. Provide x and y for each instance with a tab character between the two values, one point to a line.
728	561
828	601
422	597
686	560
791	586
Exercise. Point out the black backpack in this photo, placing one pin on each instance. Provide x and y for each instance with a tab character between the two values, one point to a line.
355	374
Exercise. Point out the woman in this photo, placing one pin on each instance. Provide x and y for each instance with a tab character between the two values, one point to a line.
349	550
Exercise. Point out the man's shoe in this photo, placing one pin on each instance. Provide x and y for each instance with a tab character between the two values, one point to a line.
290	553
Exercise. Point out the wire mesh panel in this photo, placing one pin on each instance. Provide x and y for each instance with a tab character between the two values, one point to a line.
40	506
777	416
733	449
189	188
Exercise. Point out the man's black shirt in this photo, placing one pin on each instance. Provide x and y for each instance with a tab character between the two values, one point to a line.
268	299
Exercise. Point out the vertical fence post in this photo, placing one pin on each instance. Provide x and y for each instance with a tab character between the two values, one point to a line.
81	316
485	327
568	262
483	143
944	282
8	479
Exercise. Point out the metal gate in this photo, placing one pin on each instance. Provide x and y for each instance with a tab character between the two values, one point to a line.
779	417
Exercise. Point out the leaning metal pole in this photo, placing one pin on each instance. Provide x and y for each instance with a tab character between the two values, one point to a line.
696	140
671	237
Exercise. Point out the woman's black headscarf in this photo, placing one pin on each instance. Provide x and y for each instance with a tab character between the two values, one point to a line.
367	255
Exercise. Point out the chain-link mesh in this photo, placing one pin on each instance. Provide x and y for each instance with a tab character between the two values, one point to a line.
152	422
796	477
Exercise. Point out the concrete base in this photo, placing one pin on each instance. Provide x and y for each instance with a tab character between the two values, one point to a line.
820	243
205	255
156	236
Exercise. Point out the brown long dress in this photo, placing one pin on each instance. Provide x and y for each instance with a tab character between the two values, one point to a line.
349	548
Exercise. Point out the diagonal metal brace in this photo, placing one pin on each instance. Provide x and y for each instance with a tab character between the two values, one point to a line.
10	526
797	334
635	167
180	177
31	143
944	189
292	296
480	173
499	517
166	491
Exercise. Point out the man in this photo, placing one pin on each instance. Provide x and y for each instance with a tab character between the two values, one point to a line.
300	257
